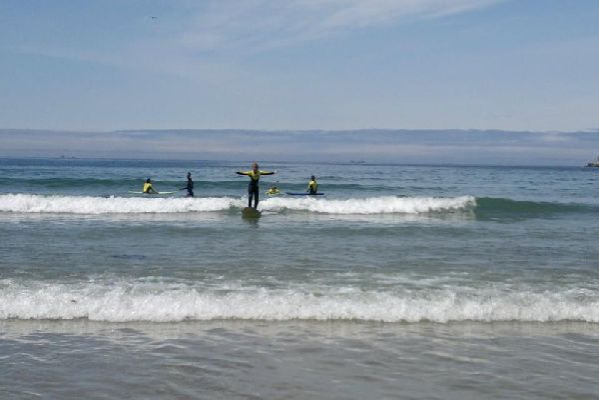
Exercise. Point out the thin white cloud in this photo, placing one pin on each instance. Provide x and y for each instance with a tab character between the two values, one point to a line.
358	13
215	35
254	25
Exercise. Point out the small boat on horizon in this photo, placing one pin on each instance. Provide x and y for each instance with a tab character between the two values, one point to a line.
594	163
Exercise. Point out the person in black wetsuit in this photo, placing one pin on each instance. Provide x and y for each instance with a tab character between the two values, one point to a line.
189	186
253	187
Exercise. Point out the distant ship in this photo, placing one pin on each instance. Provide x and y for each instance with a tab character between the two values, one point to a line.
594	163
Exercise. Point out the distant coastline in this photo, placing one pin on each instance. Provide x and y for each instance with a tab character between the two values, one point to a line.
363	146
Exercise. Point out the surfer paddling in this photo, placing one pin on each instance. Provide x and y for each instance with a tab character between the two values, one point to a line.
253	187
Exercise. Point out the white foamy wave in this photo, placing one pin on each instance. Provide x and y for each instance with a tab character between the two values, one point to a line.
26	203
372	205
170	303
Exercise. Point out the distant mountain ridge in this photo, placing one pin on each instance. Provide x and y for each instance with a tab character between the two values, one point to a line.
451	146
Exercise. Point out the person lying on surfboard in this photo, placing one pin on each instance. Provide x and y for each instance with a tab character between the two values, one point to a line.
253	187
148	188
189	186
312	186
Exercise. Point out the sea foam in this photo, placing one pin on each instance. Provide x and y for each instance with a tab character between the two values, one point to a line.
27	203
164	302
372	205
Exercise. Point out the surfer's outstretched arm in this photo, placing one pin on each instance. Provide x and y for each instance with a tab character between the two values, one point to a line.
267	173
242	173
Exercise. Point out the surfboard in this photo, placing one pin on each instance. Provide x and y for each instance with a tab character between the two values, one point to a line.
303	194
250	212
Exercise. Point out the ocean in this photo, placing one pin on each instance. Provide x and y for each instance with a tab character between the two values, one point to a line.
402	282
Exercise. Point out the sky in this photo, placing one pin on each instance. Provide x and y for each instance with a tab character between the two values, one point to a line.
105	65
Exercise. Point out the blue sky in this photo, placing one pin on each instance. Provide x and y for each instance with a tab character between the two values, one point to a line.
299	64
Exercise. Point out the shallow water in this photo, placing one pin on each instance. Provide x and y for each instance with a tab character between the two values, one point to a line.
299	359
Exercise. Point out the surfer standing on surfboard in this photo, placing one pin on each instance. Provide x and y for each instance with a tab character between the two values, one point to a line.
253	187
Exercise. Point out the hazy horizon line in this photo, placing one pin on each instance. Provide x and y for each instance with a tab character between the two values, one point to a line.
311	130
369	145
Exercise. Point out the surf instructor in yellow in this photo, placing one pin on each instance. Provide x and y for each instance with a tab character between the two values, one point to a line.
253	187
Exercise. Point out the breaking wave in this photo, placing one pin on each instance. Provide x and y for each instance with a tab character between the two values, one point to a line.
170	302
27	203
484	207
372	205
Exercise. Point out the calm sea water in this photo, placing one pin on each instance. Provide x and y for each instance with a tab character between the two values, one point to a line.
402	282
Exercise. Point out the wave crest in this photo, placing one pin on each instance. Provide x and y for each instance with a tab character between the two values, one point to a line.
155	302
372	205
27	203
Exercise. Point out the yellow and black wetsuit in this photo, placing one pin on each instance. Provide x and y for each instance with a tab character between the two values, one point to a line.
253	188
313	187
148	188
273	191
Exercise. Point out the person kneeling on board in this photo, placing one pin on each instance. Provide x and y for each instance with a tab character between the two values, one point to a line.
312	186
253	187
189	186
148	188
273	191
